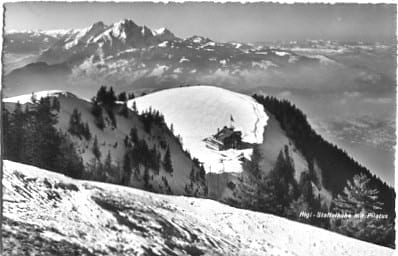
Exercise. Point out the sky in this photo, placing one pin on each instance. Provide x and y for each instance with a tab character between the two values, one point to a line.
253	22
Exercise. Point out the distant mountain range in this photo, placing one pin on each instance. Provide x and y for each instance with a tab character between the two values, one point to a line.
128	56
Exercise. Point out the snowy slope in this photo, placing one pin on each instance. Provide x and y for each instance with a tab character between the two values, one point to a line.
50	214
197	112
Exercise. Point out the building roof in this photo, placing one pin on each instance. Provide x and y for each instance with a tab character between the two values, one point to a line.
226	132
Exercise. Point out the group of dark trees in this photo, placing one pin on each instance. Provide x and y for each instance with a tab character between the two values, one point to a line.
196	176
152	117
96	110
168	166
77	127
139	155
337	169
30	137
95	149
106	100
123	96
278	189
199	175
278	192
102	170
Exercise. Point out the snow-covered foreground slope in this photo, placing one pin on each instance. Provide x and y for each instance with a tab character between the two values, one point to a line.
197	112
50	214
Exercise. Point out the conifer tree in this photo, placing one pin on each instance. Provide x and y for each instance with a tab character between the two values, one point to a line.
202	172
108	162
111	98
122	97
167	161
31	138
146	178
75	125
124	111
126	141
69	162
134	107
33	98
126	169
192	174
133	135
254	161
5	128
95	149
358	195
56	105
359	198
131	96
46	138
96	110
101	94
16	138
86	131
276	191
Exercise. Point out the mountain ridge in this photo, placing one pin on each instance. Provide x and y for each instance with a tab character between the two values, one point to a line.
136	54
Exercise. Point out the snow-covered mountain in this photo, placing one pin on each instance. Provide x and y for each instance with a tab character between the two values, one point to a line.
45	213
103	40
125	53
134	57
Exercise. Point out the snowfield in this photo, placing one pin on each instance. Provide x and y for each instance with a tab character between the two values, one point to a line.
49	214
197	112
